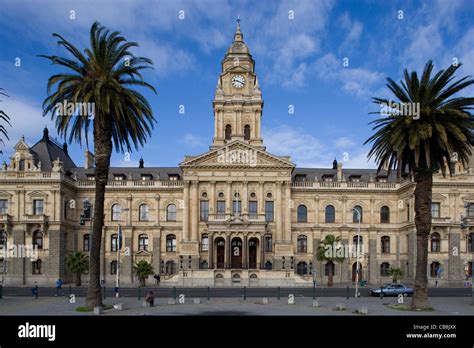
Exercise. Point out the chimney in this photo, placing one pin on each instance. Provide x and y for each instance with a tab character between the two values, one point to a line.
45	134
334	164
141	163
339	172
89	162
65	148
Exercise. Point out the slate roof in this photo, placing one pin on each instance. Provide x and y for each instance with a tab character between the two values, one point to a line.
47	150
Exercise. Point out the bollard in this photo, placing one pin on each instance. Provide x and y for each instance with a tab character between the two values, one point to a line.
174	293
208	293
278	293
70	289
139	293
36	291
245	293
105	291
314	290
347	292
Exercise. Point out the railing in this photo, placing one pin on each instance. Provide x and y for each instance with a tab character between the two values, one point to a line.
344	184
302	183
357	184
134	183
385	185
30	175
330	184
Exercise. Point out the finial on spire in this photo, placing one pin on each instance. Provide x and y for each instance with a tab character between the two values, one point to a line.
238	34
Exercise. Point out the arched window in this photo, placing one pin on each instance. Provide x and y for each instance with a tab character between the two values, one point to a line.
330	215
37	266
86	242
435	242
115	212
302	244
204	265
170	267
205	242
268	265
114	242
384	215
38	239
329	268
113	267
302	213
171	213
470	242
143	212
228	132
171	243
3	240
434	269
143	242
302	268
246	132
357	214
385	245
384	268
357	241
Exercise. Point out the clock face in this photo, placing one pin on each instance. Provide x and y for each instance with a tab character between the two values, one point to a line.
238	81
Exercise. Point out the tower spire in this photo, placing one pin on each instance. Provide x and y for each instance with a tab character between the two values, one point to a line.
238	34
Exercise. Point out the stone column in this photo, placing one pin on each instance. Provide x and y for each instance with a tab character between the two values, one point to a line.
126	260
262	252
194	202
345	265
229	198
157	253
57	254
454	265
212	199
373	262
244	253
316	210
278	213
157	219
287	206
245	203
261	199
344	211
185	234
18	267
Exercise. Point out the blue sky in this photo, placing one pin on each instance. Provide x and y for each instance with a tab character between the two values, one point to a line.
299	48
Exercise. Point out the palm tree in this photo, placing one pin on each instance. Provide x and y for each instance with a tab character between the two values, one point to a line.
423	145
77	263
4	118
122	117
396	274
330	250
143	269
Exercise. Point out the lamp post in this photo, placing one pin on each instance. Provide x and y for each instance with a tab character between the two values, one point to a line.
357	252
465	225
119	249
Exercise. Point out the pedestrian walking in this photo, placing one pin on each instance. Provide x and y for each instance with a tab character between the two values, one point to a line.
59	288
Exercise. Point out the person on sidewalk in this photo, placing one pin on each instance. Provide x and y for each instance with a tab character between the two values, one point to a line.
150	298
59	288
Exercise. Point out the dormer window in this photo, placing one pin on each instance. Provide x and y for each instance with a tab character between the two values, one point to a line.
119	177
328	178
382	178
90	177
300	177
174	177
146	177
354	178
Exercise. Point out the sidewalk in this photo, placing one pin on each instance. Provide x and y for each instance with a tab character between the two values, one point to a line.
234	306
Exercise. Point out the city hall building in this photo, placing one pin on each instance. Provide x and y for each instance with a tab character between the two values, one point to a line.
236	215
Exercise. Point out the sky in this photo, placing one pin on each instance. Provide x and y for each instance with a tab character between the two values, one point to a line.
323	59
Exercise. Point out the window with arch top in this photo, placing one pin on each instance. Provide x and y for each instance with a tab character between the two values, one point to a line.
246	132
330	214
302	213
228	132
171	212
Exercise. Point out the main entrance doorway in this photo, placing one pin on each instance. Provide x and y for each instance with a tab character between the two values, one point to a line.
354	272
236	253
253	247
220	253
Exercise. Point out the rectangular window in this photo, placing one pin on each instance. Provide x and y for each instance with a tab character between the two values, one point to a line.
204	210
268	244
220	208
408	212
252	209
91	177
435	210
237	207
37	207
268	211
205	243
3	206
113	243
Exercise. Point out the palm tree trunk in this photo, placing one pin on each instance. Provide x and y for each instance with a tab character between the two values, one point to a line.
423	190
103	151
78	279
330	282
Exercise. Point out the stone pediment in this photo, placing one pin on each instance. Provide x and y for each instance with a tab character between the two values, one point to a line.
238	69
237	154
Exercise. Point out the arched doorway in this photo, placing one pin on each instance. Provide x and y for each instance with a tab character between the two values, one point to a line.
253	247
220	253
354	272
236	253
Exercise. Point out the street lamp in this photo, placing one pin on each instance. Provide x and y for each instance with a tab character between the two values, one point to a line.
465	225
119	249
357	252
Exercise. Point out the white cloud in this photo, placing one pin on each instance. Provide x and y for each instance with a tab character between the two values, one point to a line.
193	140
354	31
344	142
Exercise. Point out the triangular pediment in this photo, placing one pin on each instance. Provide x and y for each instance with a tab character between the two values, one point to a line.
21	145
238	69
37	194
237	154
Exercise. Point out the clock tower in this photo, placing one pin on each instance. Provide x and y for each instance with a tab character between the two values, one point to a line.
238	100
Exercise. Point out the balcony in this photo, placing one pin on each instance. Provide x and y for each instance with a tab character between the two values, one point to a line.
39	219
5	218
345	185
134	183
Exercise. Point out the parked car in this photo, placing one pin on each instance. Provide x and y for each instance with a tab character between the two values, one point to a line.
392	289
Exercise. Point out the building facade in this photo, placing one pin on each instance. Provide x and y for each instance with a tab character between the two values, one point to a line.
235	215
